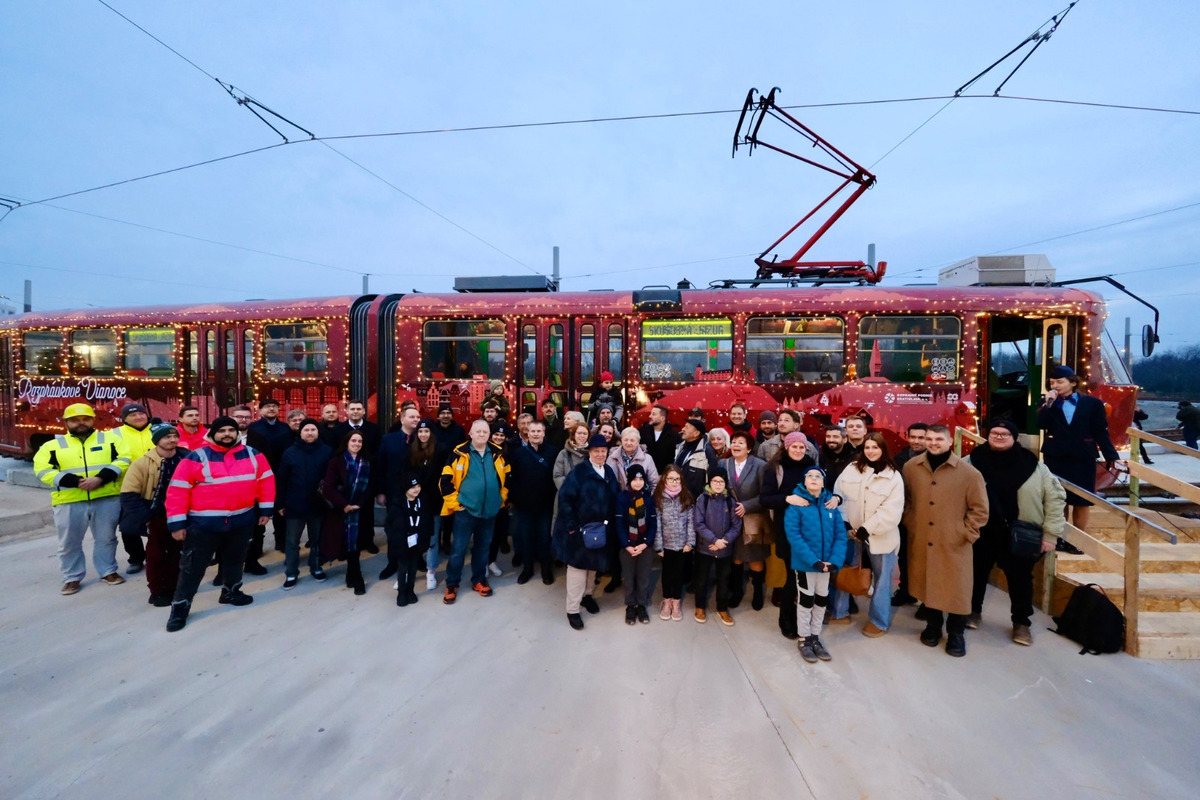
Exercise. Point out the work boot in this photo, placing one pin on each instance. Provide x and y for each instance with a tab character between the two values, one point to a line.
178	618
235	597
956	645
805	646
759	580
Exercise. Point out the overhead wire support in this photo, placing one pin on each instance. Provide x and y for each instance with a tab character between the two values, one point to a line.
748	133
249	102
1038	37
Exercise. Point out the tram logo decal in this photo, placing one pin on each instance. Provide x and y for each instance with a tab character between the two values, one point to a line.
86	388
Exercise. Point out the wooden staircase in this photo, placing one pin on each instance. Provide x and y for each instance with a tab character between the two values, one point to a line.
1168	597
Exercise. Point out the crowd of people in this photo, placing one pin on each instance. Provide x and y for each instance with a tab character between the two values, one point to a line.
720	513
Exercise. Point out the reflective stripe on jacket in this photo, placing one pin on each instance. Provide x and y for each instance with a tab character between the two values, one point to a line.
217	488
101	455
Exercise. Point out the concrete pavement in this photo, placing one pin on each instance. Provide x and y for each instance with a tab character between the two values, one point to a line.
317	693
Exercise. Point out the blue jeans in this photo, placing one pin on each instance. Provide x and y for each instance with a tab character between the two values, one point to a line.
433	556
531	535
880	609
291	559
467	526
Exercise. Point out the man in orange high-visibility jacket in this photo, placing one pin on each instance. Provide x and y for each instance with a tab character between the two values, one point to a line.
216	497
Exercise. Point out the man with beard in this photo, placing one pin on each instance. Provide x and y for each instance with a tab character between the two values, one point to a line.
659	438
836	454
215	498
83	468
449	434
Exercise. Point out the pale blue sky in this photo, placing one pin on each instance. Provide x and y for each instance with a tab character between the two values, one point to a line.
88	99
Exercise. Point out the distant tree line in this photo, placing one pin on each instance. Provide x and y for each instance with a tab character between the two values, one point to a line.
1170	373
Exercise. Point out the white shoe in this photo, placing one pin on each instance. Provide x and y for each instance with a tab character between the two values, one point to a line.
494	568
396	586
431	580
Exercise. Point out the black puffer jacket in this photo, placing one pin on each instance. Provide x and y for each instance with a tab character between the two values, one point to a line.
300	473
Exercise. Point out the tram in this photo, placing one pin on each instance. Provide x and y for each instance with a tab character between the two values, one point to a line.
938	354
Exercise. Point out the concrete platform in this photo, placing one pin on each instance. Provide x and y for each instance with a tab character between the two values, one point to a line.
318	693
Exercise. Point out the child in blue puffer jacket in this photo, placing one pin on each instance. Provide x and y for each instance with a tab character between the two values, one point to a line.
817	536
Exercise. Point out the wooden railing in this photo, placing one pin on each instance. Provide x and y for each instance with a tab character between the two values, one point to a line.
1127	564
1139	472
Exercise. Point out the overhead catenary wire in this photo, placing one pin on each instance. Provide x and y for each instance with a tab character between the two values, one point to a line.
252	104
1093	229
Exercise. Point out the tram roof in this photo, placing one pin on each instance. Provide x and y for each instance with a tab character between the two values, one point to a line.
765	299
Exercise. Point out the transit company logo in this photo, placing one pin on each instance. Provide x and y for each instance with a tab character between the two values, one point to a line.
86	388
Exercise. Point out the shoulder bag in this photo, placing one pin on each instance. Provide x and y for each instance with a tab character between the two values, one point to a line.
595	535
1025	540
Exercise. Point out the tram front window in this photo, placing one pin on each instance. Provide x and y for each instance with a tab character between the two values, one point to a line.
686	349
463	349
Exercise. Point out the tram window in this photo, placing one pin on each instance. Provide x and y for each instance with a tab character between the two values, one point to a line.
529	348
248	366
193	376
909	349
686	349
150	352
94	352
210	353
230	353
587	354
616	352
556	355
295	351
463	349
795	349
42	353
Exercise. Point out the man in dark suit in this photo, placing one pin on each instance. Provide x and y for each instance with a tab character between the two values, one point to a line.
659	438
356	420
270	436
1076	425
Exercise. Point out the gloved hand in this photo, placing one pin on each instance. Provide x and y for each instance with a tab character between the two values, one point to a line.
862	535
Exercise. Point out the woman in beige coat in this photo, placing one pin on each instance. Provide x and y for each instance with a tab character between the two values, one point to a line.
945	507
872	493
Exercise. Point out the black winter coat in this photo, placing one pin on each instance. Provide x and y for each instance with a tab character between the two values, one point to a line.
585	497
300	473
370	433
531	482
661	452
774	496
271	440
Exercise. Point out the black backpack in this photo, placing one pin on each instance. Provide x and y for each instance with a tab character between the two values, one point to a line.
1092	620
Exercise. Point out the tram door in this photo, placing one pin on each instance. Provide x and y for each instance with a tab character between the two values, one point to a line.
542	372
7	393
563	358
1020	353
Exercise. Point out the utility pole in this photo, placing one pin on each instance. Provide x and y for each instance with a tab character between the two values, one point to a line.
1128	350
366	277
28	295
555	273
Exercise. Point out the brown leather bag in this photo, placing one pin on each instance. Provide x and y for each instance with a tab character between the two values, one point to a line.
756	525
853	580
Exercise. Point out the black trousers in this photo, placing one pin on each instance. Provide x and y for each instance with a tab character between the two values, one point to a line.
992	549
198	549
955	623
787	604
704	567
135	548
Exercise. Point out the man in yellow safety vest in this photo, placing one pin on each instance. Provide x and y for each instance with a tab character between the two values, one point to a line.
84	467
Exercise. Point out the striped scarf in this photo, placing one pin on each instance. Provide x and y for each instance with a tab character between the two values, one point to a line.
635	518
358	473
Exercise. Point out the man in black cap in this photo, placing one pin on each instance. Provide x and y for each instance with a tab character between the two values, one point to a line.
448	433
695	456
1076	425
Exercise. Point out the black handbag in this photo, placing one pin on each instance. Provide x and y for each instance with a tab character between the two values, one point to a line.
1025	540
595	535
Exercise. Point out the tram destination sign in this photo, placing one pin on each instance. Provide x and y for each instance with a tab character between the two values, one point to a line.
687	329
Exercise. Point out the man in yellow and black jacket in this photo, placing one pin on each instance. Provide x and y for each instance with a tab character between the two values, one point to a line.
84	467
474	489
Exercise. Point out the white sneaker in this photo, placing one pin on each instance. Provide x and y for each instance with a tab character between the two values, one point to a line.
431	580
494	568
396	586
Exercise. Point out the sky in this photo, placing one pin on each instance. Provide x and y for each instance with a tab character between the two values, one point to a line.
91	100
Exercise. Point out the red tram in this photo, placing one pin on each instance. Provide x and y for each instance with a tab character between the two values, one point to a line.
954	355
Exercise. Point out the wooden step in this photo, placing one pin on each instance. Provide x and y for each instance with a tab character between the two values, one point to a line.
1156	591
1169	634
1156	557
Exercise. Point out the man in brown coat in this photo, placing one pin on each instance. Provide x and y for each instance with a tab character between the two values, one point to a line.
945	506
